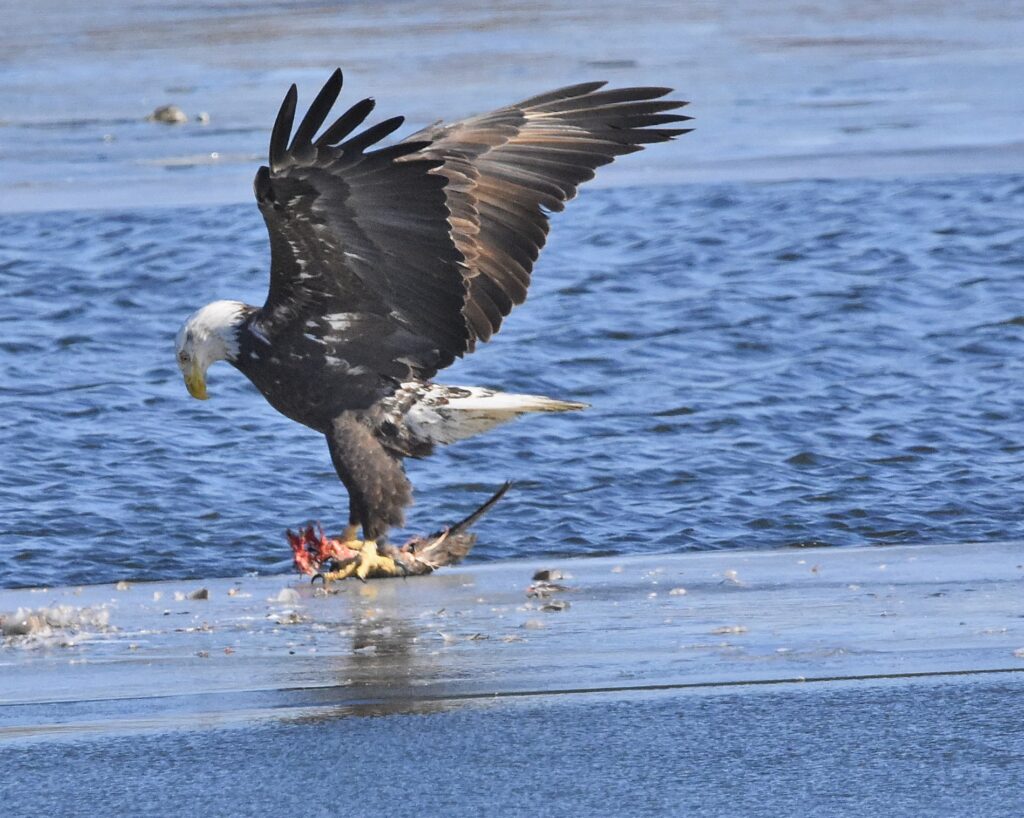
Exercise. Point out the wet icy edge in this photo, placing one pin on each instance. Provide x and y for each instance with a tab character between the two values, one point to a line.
153	655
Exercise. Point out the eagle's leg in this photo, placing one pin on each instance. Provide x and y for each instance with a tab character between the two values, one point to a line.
378	494
351	533
350	536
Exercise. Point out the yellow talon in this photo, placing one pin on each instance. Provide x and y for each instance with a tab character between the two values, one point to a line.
341	573
372	563
367	563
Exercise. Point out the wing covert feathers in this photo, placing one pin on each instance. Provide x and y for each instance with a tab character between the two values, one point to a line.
363	234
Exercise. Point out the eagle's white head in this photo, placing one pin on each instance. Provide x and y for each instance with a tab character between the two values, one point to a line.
209	335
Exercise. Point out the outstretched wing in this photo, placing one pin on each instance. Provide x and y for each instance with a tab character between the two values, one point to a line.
362	258
507	168
401	257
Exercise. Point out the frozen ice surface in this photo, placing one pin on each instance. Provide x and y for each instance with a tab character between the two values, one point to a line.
833	682
800	614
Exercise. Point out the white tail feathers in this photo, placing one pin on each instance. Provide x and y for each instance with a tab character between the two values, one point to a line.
449	413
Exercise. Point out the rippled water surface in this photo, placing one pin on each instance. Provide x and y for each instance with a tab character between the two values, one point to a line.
769	365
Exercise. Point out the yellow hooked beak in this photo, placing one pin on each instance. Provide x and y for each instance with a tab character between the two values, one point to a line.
195	382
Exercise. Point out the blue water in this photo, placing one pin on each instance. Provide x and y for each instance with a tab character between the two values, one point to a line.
813	362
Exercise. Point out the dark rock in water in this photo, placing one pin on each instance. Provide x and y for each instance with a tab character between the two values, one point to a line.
171	114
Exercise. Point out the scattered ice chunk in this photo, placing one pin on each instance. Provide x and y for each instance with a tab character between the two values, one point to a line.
123	585
677	592
286	595
205	627
533	625
170	114
729	629
157	595
1019	653
617	569
543	589
451	638
286	617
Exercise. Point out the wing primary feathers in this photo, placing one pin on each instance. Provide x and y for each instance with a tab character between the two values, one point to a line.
402	149
624	108
373	134
645	136
568	92
282	129
602	98
316	114
347	122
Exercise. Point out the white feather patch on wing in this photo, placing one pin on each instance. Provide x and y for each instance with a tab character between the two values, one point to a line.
340	321
445	414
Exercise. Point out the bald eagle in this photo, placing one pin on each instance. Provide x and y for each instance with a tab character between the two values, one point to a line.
388	263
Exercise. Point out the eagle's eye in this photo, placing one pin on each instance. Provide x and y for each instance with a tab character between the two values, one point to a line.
183	357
